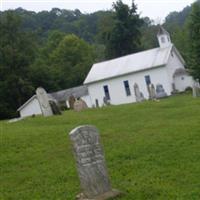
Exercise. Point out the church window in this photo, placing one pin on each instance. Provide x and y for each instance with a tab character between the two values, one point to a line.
148	80
127	88
162	39
106	91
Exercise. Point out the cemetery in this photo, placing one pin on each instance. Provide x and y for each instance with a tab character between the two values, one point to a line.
100	104
146	150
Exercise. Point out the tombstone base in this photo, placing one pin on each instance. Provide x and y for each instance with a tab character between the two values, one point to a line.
110	194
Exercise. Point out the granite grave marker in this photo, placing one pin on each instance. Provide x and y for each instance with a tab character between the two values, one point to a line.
44	102
160	92
138	95
91	164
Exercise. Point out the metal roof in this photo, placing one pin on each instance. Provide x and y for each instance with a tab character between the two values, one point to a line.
129	64
61	95
162	31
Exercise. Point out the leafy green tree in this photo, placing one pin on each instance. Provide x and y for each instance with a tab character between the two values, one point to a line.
71	61
194	38
149	32
16	55
42	73
124	37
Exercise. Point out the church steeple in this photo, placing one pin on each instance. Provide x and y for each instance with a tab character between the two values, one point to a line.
163	38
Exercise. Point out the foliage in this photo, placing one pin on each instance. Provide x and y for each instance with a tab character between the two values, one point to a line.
149	156
42	72
71	60
16	55
30	43
177	25
194	40
123	37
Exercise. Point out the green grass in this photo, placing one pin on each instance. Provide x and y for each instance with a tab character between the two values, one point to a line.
152	151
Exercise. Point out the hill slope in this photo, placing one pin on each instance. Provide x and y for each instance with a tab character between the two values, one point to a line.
152	151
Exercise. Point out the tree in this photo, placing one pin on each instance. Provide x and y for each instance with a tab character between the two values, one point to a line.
194	37
124	37
16	54
42	73
71	61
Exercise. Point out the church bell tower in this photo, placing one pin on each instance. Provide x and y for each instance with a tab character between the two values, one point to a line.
163	38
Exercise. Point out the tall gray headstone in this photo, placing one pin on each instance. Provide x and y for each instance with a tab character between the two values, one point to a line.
138	95
91	164
44	102
152	92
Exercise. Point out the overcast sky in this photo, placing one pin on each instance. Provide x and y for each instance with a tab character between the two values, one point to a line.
155	9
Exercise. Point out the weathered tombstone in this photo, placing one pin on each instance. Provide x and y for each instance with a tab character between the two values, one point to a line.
149	92
160	92
91	164
106	101
55	108
80	105
97	103
138	95
152	92
196	88
71	102
44	101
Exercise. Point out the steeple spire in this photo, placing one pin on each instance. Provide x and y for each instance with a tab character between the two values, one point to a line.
163	38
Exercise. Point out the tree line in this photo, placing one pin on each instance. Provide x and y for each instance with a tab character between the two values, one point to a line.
56	49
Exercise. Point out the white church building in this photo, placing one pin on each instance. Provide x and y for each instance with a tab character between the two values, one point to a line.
115	79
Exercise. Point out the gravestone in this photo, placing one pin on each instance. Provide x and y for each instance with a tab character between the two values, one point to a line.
106	101
80	105
138	95
152	92
196	88
97	103
71	102
91	164
44	102
55	108
160	92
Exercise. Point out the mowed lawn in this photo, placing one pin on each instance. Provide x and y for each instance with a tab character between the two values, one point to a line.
152	151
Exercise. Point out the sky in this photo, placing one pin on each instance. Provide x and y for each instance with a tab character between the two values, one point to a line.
155	9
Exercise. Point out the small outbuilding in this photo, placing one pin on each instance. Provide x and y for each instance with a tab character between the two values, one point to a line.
32	106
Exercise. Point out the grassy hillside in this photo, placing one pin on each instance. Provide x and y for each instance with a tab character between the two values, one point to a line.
152	151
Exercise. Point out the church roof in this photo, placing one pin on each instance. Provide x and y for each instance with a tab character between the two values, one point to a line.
162	31
61	95
129	64
64	95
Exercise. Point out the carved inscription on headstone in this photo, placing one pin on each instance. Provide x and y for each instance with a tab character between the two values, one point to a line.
44	102
90	163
